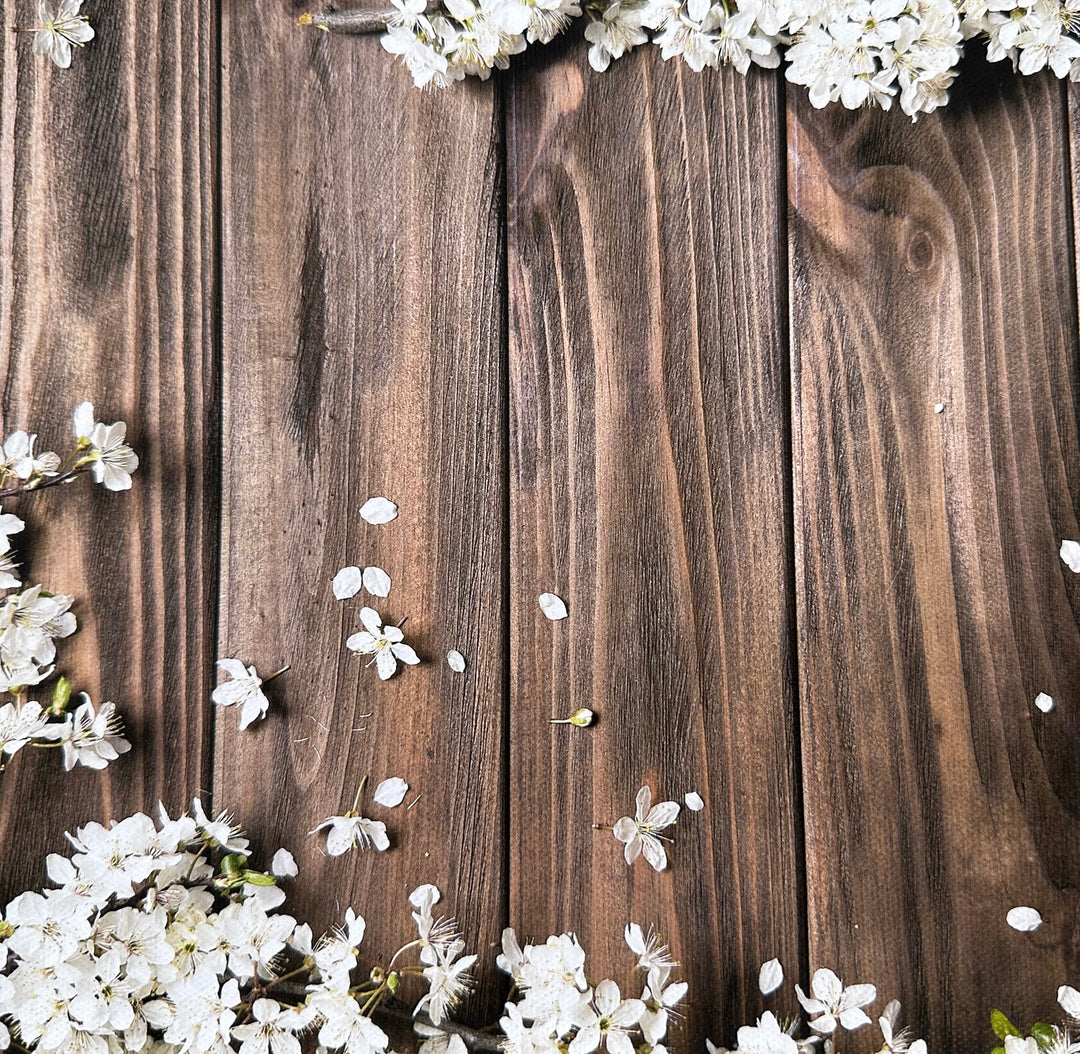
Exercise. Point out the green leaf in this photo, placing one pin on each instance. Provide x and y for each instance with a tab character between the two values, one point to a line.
998	1050
1045	1035
1002	1026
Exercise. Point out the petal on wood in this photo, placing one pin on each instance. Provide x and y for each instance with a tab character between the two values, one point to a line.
376	581
378	510
1044	702
284	864
694	801
1070	553
347	582
1024	919
770	976
390	792
552	606
456	661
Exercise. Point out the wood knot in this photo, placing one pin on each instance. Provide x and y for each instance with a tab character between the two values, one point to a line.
919	255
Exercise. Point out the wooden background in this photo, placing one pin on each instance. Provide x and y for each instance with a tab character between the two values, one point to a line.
666	344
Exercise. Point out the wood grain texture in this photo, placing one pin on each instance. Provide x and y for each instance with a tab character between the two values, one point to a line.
363	331
933	264
107	293
647	432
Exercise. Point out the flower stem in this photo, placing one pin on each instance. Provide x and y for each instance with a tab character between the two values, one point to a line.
347	21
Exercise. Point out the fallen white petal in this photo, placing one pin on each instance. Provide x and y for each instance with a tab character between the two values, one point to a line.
552	606
391	792
1070	553
347	582
1024	919
939	408
378	510
694	801
771	976
283	865
1069	999
456	661
1044	702
376	581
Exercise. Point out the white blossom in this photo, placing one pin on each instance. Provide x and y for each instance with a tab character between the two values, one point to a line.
835	1003
243	689
641	833
351	829
386	643
110	459
61	26
92	737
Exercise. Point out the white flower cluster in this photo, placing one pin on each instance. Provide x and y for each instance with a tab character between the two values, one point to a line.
32	619
160	932
831	1007
559	1012
857	52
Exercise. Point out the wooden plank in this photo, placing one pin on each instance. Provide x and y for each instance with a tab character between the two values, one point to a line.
931	264
106	293
648	422
363	332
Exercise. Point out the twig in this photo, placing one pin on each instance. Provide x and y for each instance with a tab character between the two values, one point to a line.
347	21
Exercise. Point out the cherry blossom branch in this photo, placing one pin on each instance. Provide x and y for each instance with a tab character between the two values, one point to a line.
41	484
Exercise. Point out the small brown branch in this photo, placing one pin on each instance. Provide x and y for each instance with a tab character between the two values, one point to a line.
371	21
48	481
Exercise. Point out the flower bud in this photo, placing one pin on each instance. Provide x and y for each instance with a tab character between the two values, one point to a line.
60	696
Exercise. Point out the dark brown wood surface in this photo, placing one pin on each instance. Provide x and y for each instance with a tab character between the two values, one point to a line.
363	321
107	293
648	489
933	606
665	344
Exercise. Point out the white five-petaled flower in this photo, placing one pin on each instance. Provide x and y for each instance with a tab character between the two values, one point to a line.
92	738
243	690
641	833
835	1003
384	642
609	1017
274	1028
110	459
352	829
61	26
20	724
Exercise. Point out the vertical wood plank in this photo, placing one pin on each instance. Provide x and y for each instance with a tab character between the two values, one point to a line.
363	331
107	204
648	421
933	264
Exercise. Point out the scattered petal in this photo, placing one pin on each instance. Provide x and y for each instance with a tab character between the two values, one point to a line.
939	408
1044	702
770	977
456	661
1070	553
378	510
390	792
283	865
1024	919
347	582
1069	999
376	581
695	803
552	606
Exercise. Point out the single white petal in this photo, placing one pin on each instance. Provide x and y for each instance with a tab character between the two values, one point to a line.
552	606
826	986
770	976
233	667
362	642
1044	702
635	939
662	814
340	837
385	663
391	792
1069	999
826	1024
456	661
858	995
284	864
607	997
405	654
694	801
376	581
625	830
642	803
371	620
653	852
347	582
854	1018
1024	919
1070	553
378	510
